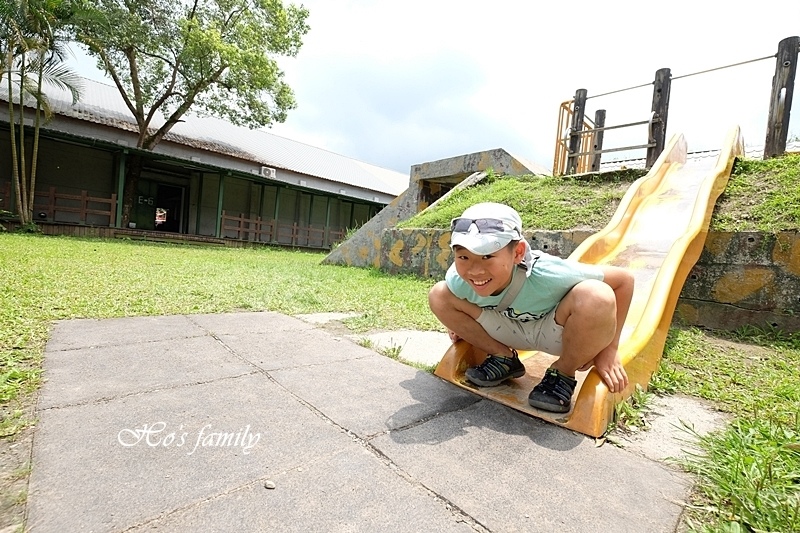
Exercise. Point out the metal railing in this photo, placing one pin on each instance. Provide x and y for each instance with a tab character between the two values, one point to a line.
561	157
243	227
579	140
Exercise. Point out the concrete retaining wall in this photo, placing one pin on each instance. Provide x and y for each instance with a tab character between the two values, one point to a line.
745	278
740	279
428	183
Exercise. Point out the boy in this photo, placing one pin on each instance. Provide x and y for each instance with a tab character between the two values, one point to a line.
569	309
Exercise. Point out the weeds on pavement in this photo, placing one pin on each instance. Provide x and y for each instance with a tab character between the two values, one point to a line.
748	473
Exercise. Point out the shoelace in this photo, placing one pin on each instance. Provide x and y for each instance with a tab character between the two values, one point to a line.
554	384
494	367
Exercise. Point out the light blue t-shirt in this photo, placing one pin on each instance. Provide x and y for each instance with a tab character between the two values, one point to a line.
549	279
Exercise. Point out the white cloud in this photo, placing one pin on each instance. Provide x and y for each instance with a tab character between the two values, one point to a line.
400	83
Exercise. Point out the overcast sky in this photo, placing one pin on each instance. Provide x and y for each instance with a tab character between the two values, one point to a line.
396	83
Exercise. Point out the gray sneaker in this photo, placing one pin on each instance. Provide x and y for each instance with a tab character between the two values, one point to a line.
495	370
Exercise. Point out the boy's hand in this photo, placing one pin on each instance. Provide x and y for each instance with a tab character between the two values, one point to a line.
610	369
453	337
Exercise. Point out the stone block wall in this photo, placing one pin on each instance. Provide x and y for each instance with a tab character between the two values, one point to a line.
740	279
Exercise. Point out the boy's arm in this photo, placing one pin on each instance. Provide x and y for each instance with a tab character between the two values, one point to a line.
621	282
607	362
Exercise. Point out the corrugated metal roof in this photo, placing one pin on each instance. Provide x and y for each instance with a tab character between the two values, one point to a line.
102	104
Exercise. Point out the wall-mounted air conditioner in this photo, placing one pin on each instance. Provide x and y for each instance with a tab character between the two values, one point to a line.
268	172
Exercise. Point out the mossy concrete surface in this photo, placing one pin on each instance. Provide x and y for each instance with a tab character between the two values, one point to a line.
745	278
740	279
426	252
428	183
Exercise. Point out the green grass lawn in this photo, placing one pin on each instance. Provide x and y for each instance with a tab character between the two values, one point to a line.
53	278
748	474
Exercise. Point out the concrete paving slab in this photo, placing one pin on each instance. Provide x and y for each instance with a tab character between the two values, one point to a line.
324	318
373	394
87	333
271	351
249	322
424	347
90	374
354	441
347	491
92	471
673	423
511	472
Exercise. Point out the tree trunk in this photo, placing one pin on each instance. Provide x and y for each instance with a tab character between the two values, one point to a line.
133	170
35	154
23	168
12	134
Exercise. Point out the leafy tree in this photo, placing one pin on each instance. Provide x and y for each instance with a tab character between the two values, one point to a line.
213	56
33	50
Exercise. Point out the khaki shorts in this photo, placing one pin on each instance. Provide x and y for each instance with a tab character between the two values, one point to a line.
543	334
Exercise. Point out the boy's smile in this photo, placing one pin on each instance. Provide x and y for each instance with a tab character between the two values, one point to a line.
488	275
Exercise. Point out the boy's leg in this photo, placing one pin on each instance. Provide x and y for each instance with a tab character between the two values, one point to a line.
460	317
587	315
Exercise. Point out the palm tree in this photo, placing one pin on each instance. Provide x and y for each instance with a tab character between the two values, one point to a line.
34	51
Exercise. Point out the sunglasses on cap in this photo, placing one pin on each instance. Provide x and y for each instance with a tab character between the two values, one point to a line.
484	225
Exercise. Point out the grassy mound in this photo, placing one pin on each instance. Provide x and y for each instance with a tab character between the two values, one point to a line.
760	196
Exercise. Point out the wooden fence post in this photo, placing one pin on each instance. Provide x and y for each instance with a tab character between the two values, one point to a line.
658	132
578	110
5	198
597	144
84	206
51	204
780	103
112	212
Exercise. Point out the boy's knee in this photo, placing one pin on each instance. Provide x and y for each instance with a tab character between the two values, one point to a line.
438	296
448	307
599	296
591	297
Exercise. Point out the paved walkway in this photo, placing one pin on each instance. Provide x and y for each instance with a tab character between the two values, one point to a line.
259	421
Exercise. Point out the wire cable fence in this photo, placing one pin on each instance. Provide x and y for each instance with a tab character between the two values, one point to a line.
579	139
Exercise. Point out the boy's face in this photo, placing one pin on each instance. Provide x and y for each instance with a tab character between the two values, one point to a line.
488	274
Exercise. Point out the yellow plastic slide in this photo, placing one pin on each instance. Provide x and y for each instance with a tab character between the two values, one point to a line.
658	232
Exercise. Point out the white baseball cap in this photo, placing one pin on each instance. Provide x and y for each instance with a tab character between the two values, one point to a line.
485	228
